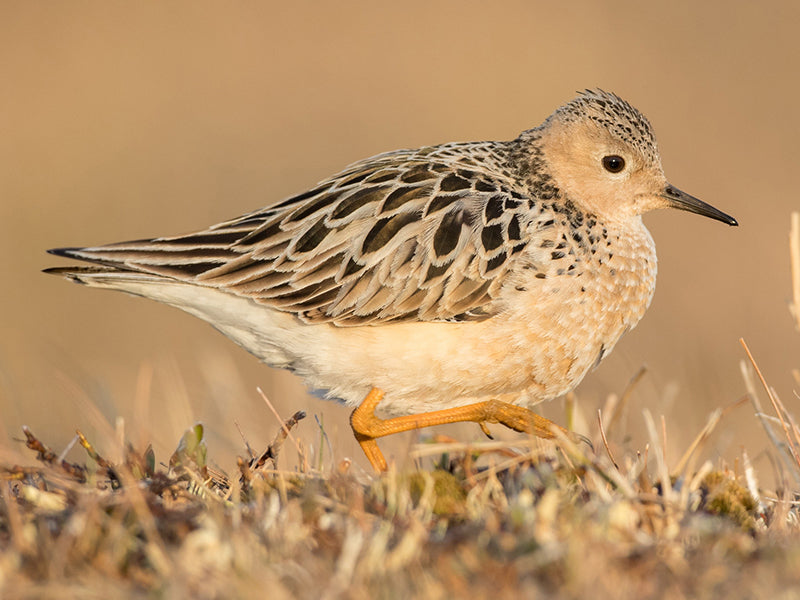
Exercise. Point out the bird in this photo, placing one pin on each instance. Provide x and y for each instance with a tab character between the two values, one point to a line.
467	281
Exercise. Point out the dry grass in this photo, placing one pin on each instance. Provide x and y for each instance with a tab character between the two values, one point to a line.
487	520
473	520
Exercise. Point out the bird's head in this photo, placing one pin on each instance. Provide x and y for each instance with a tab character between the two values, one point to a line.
602	155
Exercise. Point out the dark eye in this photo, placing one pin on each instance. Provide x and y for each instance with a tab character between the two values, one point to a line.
613	164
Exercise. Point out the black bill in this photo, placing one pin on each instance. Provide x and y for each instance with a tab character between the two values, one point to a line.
683	201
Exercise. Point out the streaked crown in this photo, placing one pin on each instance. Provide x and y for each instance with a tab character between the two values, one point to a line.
616	116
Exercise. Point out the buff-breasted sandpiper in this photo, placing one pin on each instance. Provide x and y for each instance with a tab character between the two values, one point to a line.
466	281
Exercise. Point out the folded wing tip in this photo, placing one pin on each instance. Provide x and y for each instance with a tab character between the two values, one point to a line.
66	252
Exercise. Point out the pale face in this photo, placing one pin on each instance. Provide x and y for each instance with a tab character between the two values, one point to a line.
601	173
615	179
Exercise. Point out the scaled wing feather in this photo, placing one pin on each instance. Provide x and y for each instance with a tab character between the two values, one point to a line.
407	235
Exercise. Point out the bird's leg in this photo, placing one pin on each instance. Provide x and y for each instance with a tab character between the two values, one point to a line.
367	427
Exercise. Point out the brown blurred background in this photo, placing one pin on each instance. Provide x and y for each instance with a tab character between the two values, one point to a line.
121	121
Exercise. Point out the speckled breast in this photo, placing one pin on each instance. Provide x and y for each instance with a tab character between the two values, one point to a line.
582	288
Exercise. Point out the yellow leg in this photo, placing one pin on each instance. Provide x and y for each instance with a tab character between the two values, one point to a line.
367	427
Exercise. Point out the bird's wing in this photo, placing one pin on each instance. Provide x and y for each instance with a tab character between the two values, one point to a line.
407	235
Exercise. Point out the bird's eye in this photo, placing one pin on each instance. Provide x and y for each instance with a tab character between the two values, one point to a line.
613	164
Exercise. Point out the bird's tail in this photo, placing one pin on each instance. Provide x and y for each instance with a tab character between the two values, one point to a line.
107	277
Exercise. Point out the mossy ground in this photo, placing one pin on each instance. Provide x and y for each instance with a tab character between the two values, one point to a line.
532	520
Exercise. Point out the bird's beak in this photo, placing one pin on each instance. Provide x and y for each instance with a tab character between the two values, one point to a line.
683	201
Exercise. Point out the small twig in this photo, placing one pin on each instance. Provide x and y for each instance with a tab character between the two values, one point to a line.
49	457
278	417
244	440
794	254
776	499
93	454
245	475
18	473
503	447
766	420
661	464
44	453
111	473
775	404
502	466
695	482
714	418
302	455
603	437
644	478
787	415
65	451
618	409
752	483
569	410
323	436
272	451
